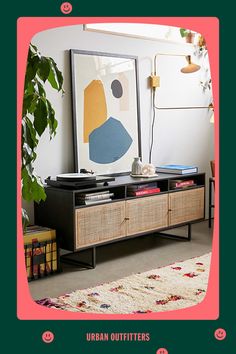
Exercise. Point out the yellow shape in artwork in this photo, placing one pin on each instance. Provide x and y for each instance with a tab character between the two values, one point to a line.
95	107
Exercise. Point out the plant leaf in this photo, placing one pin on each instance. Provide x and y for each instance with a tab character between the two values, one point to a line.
25	185
52	122
31	134
32	67
183	32
37	188
33	47
29	88
43	68
25	219
32	187
52	78
41	90
55	77
28	103
40	117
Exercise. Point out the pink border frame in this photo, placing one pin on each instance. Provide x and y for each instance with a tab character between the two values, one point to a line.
27	309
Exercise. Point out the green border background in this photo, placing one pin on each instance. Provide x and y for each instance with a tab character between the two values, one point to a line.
181	337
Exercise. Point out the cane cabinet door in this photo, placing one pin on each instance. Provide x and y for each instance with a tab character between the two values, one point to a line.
146	214
186	206
99	223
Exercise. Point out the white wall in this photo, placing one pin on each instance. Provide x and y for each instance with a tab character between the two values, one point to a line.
184	137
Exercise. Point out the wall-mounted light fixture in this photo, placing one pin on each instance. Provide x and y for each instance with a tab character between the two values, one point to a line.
155	83
188	69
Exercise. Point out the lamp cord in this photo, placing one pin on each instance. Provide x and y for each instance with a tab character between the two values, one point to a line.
153	124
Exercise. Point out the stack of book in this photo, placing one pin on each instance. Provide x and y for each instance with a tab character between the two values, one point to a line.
40	247
177	169
94	198
178	183
142	189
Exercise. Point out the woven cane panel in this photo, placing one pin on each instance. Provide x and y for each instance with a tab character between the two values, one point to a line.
186	206
99	223
146	214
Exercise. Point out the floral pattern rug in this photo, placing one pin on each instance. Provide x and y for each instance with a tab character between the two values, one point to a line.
176	286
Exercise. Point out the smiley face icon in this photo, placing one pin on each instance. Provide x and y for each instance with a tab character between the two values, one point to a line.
47	337
220	334
162	351
66	8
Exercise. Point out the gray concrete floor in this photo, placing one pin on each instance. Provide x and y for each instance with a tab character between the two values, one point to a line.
124	258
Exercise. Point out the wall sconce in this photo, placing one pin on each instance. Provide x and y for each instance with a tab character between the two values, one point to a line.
188	69
155	83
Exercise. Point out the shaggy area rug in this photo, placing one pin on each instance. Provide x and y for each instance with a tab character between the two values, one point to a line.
173	287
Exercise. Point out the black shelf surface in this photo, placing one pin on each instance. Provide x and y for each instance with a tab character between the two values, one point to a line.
128	180
78	184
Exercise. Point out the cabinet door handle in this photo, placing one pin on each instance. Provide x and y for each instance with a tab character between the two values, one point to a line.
125	219
169	209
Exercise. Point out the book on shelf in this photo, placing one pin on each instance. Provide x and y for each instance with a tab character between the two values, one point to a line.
136	187
96	197
145	192
178	183
94	194
177	169
94	202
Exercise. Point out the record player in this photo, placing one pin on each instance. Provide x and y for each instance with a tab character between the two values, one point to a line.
77	180
75	177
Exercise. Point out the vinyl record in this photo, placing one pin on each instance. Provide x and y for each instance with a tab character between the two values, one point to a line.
72	177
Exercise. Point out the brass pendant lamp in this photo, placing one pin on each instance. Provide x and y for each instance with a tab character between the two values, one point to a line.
191	67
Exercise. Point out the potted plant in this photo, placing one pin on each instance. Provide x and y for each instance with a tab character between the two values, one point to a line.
201	43
187	34
37	116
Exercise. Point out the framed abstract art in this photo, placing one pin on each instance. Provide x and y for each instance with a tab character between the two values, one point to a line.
105	105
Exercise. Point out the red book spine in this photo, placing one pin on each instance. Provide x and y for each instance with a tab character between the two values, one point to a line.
185	183
148	191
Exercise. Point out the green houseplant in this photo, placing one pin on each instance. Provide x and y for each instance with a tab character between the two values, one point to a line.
187	34
37	116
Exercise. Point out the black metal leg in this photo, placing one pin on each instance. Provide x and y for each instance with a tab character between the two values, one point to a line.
211	202
189	232
94	257
210	198
67	259
176	237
